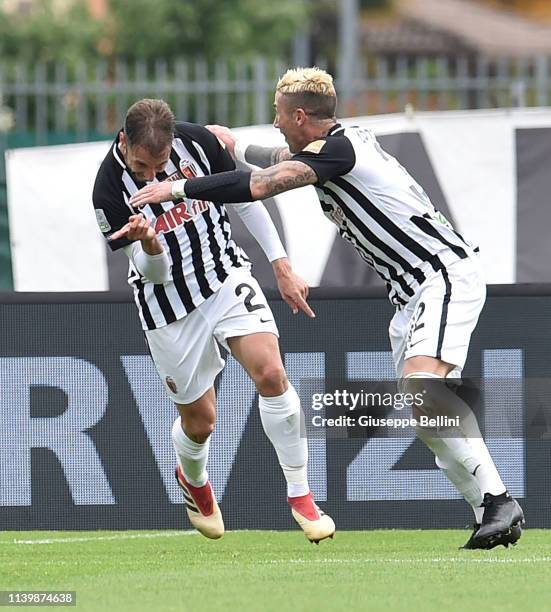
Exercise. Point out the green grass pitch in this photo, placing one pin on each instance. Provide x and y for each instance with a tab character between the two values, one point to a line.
279	571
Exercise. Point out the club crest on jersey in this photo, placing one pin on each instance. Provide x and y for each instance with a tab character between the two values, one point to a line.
171	384
187	169
179	214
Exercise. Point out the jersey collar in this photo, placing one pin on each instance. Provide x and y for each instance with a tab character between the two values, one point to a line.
334	128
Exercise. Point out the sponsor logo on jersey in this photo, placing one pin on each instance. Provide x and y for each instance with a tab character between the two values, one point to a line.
315	147
179	214
104	225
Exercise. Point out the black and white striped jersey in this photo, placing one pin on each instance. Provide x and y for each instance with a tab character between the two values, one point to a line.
195	233
381	210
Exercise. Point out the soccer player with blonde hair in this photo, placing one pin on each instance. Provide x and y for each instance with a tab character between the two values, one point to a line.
432	274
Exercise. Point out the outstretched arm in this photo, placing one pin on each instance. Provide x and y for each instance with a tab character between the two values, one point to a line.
263	157
282	177
231	187
293	289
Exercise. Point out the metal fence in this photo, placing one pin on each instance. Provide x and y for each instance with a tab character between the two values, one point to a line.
452	83
58	103
92	99
84	99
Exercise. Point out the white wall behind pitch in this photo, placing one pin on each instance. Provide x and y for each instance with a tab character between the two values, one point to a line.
55	241
56	245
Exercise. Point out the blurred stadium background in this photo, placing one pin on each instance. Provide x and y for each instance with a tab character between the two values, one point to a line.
458	90
69	69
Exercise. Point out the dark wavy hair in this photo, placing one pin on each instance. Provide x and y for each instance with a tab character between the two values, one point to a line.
150	123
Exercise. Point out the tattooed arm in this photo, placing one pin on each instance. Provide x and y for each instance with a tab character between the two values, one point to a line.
282	177
230	187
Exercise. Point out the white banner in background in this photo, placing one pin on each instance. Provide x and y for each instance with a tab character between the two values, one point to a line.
55	241
56	245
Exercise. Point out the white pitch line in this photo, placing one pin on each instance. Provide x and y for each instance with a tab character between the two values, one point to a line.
130	536
380	560
309	561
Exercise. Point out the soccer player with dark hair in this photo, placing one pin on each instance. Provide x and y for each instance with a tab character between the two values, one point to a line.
433	275
194	290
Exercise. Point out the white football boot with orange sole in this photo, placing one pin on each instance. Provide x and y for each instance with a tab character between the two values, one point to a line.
201	506
314	522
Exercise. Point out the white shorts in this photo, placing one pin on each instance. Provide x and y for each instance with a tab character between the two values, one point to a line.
438	321
186	352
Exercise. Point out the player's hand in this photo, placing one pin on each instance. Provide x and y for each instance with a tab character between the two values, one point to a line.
153	194
293	289
225	135
137	228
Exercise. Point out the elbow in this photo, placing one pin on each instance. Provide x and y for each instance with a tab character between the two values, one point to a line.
258	192
154	268
157	278
156	275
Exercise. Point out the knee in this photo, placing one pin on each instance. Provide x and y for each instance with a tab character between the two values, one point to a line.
198	428
271	380
428	394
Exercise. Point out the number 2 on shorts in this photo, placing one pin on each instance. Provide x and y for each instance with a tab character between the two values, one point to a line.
250	295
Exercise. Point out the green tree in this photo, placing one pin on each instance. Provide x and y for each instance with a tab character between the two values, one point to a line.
45	34
152	29
208	28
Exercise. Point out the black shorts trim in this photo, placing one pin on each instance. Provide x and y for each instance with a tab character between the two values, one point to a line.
444	316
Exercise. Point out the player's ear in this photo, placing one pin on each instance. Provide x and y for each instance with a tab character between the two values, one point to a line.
300	116
123	142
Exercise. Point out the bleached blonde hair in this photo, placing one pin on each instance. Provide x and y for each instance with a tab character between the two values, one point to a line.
306	80
311	89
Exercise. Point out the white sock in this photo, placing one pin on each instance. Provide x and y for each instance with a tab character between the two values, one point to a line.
192	456
486	473
465	483
281	418
446	457
467	448
478	514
